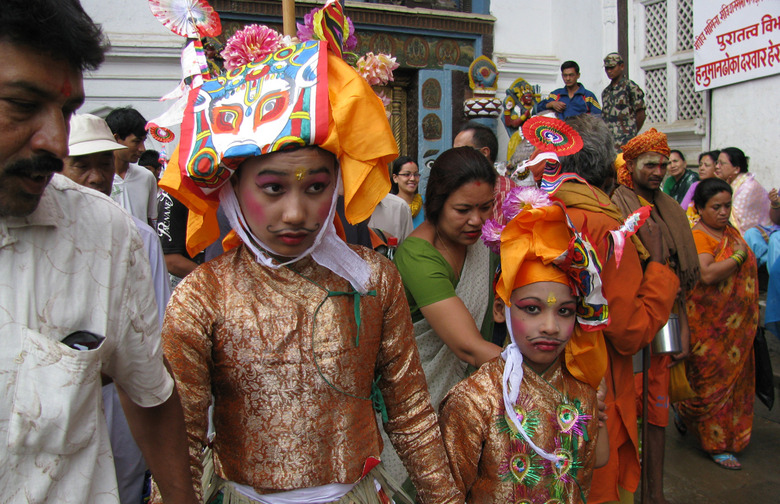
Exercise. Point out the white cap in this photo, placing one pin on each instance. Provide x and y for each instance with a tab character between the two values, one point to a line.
89	134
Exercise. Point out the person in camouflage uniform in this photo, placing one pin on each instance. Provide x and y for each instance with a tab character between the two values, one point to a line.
623	106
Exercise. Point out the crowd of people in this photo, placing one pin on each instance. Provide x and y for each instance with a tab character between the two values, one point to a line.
219	327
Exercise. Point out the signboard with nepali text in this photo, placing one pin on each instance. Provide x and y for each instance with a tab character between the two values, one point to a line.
735	41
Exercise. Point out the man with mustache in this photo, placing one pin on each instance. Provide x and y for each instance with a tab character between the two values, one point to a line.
76	296
646	159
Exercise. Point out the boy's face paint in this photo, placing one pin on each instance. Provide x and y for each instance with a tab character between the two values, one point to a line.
542	329
286	197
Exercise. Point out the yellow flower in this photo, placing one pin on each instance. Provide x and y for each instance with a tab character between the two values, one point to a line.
734	320
734	355
750	284
715	433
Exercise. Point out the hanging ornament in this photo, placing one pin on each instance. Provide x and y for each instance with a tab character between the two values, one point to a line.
188	18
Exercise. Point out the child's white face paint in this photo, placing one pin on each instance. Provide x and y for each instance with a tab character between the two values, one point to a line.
542	316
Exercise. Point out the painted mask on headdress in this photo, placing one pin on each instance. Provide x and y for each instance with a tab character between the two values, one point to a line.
261	107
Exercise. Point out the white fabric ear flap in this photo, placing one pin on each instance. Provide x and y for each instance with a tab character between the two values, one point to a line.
513	377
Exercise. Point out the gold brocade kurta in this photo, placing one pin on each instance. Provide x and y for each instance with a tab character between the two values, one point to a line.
243	332
479	450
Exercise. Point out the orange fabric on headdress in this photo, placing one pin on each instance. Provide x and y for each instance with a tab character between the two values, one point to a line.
537	235
651	140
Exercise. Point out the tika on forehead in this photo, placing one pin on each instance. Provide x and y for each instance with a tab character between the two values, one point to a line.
299	173
551	300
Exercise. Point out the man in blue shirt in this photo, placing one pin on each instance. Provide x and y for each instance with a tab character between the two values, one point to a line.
573	99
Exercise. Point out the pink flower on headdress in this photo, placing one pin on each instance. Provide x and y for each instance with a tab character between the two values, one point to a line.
306	31
377	69
491	235
253	43
385	101
523	198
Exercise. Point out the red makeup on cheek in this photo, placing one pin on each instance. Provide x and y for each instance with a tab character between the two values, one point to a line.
66	89
251	204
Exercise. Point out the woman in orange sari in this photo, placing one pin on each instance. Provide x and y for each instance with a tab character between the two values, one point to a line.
723	315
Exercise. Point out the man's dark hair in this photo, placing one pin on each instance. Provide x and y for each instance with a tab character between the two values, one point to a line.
595	161
451	170
737	158
125	121
57	28
396	166
150	158
707	189
675	151
570	64
482	136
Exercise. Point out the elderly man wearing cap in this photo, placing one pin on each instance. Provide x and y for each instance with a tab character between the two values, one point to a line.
646	159
90	163
622	101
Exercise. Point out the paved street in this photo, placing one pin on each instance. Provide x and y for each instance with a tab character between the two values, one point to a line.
691	477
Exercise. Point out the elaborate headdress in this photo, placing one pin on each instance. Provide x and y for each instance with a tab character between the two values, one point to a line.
293	96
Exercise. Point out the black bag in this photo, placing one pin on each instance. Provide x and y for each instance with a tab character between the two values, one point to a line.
765	387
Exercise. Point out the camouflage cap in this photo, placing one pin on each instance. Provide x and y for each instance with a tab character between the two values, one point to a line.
612	59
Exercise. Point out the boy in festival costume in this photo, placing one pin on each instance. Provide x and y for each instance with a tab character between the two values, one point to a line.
295	333
525	427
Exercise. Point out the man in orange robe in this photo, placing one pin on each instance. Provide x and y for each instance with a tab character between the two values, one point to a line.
640	301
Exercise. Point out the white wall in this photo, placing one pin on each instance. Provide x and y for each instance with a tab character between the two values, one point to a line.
143	63
744	115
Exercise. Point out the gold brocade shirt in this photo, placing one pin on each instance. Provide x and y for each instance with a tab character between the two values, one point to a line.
479	448
243	332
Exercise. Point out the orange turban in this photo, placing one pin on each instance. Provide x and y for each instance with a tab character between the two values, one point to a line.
651	140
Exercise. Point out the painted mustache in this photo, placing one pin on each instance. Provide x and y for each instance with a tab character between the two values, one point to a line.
293	230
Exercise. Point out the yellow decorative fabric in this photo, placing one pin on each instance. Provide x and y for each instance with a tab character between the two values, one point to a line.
246	334
416	205
360	137
478	450
624	176
651	140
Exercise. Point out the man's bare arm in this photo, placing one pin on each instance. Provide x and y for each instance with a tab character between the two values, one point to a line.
159	432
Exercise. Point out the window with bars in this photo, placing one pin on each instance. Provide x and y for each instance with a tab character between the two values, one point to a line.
689	102
668	61
655	95
655	29
684	25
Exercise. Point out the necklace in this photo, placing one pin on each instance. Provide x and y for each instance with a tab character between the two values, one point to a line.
452	257
710	231
415	205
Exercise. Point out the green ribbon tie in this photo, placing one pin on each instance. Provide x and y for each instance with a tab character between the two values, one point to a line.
378	400
356	300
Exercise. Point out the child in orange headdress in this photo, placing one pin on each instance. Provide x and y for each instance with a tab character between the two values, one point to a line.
526	427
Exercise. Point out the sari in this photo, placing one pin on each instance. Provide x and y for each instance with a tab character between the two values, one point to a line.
723	319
